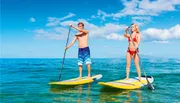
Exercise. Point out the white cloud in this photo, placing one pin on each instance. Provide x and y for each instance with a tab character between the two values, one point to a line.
111	31
101	15
60	30
107	31
158	5
32	19
93	16
27	30
40	31
141	20
68	16
51	34
115	36
162	34
141	8
147	7
162	42
54	21
66	23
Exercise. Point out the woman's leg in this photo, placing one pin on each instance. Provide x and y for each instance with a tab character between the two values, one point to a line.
136	62
128	64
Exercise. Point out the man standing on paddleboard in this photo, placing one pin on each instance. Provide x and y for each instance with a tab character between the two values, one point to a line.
84	51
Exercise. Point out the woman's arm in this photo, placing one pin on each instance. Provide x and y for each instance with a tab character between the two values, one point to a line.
125	33
138	40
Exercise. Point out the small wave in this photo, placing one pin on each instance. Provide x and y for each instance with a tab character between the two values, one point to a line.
152	60
162	60
177	61
30	64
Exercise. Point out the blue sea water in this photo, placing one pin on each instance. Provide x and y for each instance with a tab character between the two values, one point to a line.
26	81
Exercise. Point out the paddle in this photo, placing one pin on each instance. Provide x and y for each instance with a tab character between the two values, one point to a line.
150	86
64	54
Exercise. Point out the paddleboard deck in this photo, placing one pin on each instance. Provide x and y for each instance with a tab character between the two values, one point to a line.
132	83
77	81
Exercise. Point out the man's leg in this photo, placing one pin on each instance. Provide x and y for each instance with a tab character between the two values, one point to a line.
89	70
87	60
80	71
80	64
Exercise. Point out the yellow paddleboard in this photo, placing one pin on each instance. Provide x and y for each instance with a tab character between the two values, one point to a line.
132	83
77	81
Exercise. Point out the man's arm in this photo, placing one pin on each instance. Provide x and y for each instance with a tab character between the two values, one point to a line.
80	30
72	42
80	34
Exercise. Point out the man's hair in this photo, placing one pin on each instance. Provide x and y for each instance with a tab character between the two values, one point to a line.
81	24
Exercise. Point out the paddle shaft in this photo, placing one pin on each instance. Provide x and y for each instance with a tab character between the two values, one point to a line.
149	84
64	54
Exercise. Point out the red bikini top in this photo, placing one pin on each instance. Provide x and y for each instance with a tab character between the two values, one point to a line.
134	39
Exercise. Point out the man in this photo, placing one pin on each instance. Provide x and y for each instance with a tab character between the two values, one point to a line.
84	51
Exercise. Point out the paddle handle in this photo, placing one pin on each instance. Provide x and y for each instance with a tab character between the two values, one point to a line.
64	54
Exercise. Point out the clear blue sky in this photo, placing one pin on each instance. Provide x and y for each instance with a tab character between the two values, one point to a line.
38	28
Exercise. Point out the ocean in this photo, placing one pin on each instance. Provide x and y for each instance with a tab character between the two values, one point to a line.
26	81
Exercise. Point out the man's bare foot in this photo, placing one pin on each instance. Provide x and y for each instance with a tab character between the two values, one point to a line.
126	78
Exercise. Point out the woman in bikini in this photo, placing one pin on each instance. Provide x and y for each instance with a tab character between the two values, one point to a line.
134	40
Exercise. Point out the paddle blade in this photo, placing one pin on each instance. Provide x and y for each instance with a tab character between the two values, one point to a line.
150	86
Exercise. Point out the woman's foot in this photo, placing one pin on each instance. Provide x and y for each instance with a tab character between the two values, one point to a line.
89	76
79	77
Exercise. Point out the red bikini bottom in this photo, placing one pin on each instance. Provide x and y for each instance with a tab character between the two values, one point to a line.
132	52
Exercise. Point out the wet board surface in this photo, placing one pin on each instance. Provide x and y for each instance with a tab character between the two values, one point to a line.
132	83
77	81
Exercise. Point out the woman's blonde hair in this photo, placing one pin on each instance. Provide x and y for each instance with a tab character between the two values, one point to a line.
137	28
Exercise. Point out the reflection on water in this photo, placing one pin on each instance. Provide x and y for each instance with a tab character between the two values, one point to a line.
87	92
106	94
61	88
116	95
66	92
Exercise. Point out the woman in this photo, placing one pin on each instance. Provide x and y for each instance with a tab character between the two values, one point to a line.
134	40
